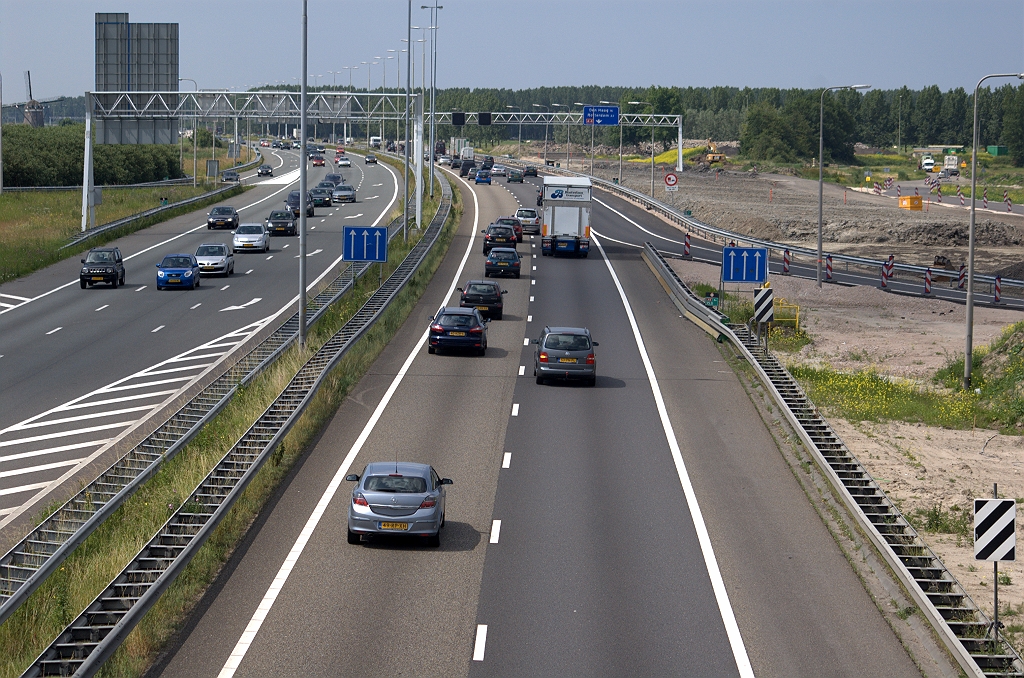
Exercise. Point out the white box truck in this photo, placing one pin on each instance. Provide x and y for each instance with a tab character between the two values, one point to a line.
466	153
566	225
951	164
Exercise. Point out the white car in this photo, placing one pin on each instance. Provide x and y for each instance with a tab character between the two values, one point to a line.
251	238
344	162
529	219
499	171
215	259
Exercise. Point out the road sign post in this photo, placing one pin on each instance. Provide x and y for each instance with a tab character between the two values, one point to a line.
995	539
671	182
365	243
745	265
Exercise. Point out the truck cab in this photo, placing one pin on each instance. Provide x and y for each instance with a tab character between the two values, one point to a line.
565	228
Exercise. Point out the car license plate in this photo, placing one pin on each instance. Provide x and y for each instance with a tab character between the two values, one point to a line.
481	308
563	245
97	277
567	360
502	263
499	240
248	244
394	526
456	334
174	280
207	268
221	223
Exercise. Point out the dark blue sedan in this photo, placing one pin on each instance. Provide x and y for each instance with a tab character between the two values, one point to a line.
178	270
456	327
502	261
483	177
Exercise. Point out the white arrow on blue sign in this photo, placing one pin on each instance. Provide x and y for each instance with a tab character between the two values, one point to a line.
744	265
365	243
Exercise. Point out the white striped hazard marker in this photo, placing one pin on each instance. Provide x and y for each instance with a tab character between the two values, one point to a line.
764	306
995	536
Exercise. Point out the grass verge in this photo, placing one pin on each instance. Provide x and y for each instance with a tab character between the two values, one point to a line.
35	225
105	552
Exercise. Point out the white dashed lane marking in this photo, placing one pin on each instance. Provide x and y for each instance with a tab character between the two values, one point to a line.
515	409
224	288
192	308
157	329
506	460
141	288
249	271
56	329
495	531
102	307
522	370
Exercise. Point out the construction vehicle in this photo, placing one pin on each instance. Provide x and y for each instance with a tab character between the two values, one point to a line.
712	155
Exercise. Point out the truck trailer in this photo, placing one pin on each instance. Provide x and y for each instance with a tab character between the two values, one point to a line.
566	224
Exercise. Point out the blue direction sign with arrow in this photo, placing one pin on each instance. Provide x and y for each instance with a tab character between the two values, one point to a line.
744	265
600	115
366	243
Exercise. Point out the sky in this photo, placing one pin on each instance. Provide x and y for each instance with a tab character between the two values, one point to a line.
239	44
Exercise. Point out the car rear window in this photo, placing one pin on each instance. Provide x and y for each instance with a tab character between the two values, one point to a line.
176	262
335	178
480	289
499	230
457	320
403	484
211	251
511	223
568	342
527	214
249	228
222	210
498	255
343	187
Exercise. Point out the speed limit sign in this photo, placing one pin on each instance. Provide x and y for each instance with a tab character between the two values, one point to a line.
670	182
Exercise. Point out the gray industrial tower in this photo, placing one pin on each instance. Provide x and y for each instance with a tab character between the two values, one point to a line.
136	58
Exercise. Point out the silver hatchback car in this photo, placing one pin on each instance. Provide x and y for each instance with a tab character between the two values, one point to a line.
251	238
565	353
215	259
401	498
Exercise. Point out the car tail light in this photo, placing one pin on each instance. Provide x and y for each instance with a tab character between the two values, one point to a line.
543	357
477	330
437	328
359	500
516	263
488	236
429	502
590	358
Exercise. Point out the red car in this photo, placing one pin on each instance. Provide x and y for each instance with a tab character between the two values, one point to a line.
340	151
318	161
514	224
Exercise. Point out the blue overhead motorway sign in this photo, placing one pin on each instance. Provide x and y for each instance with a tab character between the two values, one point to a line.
600	115
744	265
366	243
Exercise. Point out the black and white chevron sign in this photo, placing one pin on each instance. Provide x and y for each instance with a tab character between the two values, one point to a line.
764	306
995	536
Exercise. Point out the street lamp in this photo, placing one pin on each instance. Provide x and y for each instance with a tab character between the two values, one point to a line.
613	103
647	103
194	145
546	121
968	357
821	165
519	151
568	142
368	107
303	196
433	83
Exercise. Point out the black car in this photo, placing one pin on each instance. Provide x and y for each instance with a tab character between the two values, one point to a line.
224	216
371	159
102	265
456	163
230	175
484	296
498	236
466	166
275	144
502	261
281	222
286	145
265	171
456	327
335	178
321	197
488	162
329	185
530	171
293	204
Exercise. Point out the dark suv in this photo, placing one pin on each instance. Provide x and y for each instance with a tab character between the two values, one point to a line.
281	222
102	265
222	217
498	236
293	204
565	353
484	296
465	167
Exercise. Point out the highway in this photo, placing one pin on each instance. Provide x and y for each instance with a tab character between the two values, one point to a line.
79	368
648	526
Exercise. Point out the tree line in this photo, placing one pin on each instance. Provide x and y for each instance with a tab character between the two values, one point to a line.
54	156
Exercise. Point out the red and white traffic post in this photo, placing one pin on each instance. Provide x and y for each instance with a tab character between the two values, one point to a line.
828	267
927	281
882	279
999	288
785	262
686	245
962	278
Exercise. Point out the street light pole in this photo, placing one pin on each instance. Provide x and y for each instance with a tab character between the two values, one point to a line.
433	84
567	142
969	332
593	124
408	93
519	150
2	134
195	151
821	165
619	121
302	191
546	121
647	103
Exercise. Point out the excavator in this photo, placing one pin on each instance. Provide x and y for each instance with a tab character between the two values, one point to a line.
710	156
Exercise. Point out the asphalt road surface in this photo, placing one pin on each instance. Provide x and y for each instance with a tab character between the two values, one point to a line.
648	525
79	367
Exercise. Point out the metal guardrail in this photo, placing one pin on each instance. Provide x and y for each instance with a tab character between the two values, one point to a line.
148	184
87	642
956	618
714	234
27	565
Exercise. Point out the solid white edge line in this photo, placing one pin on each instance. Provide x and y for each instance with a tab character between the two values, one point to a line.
481	642
267	603
661	237
732	629
495	530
